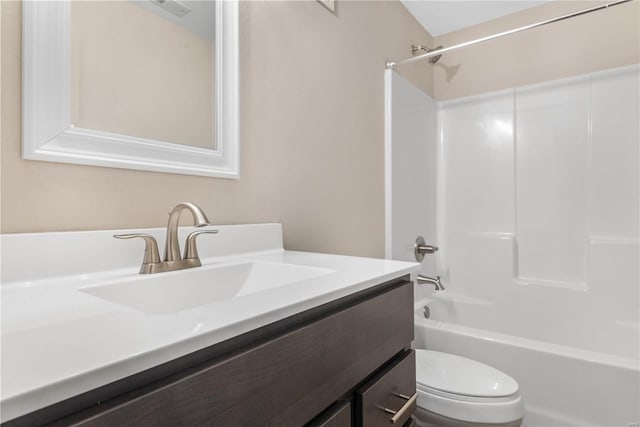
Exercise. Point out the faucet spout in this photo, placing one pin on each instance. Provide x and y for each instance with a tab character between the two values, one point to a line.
172	246
431	281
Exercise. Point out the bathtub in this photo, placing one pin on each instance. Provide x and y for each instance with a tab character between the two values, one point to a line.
582	372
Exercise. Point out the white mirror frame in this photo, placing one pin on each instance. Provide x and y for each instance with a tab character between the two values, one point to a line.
49	135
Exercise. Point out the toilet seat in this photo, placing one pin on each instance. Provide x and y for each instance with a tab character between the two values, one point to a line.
462	397
461	376
466	390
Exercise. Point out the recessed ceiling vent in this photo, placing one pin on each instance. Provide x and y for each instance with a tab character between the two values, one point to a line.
172	6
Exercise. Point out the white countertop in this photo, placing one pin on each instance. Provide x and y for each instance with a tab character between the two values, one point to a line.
58	342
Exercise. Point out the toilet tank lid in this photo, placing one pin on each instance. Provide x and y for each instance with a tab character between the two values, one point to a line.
461	376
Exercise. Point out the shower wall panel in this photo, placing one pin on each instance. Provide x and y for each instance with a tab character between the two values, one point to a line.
552	124
550	173
411	156
478	153
614	192
479	156
613	180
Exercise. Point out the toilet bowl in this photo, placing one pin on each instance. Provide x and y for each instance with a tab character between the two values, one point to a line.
454	391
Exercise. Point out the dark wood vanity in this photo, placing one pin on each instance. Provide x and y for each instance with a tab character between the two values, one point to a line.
344	363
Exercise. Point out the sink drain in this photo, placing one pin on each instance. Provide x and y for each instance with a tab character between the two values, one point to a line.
427	312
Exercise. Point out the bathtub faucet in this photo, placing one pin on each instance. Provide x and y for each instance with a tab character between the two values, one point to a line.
430	280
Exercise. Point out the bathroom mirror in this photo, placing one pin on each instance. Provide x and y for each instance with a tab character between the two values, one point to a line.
134	84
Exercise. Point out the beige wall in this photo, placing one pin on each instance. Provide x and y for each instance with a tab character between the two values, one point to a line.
312	135
312	119
597	41
160	78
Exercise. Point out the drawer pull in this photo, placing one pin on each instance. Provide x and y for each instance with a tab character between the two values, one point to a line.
397	415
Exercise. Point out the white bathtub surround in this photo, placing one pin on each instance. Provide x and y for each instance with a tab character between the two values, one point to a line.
553	168
61	335
541	196
537	219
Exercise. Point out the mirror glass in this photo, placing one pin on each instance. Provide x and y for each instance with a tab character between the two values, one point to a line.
136	84
145	68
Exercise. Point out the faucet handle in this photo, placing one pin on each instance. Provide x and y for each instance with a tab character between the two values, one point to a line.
191	250
151	254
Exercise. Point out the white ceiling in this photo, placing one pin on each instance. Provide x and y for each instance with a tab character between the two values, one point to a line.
443	16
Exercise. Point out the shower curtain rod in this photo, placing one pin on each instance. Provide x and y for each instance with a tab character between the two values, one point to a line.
394	64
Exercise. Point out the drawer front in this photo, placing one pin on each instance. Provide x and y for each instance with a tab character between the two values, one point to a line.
284	382
339	415
390	397
410	423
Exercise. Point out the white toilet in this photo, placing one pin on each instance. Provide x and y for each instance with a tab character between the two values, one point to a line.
454	391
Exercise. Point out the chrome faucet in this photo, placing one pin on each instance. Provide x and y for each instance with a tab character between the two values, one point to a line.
421	280
172	259
172	247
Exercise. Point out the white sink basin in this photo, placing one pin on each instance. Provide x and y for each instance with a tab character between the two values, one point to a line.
165	293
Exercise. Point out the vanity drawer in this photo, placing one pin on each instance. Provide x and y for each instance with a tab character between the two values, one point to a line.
390	397
285	381
338	415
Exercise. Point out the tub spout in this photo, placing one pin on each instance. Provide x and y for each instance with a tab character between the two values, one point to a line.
430	280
